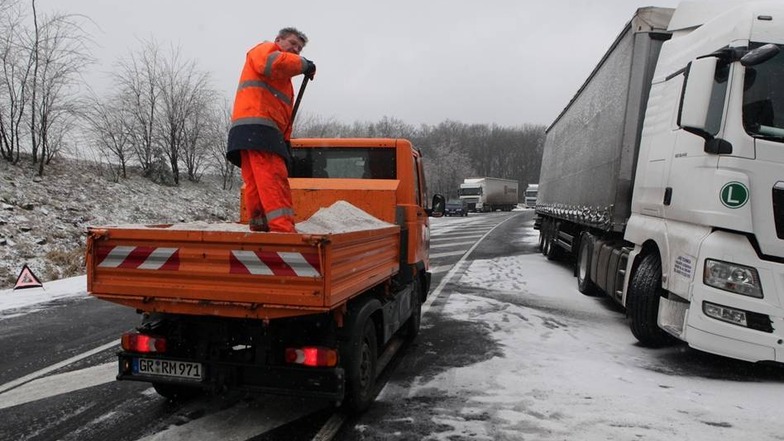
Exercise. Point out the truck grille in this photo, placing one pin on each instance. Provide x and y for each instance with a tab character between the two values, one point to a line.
778	208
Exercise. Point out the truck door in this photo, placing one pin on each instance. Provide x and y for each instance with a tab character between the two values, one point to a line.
423	222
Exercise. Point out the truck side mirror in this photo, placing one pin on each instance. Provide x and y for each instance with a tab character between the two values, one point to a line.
702	102
696	97
759	55
439	206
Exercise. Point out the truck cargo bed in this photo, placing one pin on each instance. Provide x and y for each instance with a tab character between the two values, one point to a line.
225	270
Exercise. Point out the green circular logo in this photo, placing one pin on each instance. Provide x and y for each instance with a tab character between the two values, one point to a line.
734	195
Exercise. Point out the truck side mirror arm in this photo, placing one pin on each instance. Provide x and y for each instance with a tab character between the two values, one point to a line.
718	146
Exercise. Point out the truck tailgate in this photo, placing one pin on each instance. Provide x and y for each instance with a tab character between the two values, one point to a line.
225	270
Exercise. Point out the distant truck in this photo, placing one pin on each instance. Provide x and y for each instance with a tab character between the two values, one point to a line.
531	193
664	178
310	313
489	194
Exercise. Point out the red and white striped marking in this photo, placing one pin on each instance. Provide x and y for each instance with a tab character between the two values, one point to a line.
146	258
268	263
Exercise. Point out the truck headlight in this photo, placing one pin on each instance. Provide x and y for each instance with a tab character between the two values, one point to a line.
740	279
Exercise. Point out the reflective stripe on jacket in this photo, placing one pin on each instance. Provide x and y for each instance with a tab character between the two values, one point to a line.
262	106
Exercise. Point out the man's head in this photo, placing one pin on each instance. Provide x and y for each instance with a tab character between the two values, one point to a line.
291	40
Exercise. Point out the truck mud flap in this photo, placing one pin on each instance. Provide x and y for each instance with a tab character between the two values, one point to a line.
327	383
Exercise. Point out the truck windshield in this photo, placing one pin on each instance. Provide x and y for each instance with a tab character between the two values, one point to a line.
471	191
344	162
763	98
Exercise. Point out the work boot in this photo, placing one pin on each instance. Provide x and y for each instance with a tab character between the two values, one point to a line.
258	224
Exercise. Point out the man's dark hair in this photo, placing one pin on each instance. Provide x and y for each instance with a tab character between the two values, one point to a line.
285	32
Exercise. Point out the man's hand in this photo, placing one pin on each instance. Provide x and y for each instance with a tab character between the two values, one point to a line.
310	71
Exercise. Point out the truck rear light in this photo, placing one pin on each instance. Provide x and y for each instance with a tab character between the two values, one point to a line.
312	356
134	342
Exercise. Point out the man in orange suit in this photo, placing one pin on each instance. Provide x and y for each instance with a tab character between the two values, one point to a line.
261	128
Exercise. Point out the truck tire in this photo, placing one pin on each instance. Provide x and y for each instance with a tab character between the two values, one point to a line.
361	369
545	236
584	255
551	249
413	323
541	237
642	304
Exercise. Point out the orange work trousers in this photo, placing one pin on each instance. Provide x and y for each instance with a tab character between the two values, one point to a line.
267	192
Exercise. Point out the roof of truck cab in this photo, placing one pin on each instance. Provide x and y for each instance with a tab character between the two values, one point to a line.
349	142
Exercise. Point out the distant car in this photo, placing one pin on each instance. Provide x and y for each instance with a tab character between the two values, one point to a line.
456	207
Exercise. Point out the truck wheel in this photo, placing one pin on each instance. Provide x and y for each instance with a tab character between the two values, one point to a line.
175	392
551	250
544	235
361	370
541	237
413	322
642	303
584	283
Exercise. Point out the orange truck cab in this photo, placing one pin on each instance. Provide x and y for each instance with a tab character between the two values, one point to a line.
307	313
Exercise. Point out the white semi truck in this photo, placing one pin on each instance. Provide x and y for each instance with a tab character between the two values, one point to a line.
664	178
489	194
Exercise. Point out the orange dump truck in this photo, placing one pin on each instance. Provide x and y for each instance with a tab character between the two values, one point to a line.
306	313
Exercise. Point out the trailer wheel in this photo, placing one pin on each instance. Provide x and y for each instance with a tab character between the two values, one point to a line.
584	283
361	370
642	303
413	322
544	234
541	237
175	392
551	250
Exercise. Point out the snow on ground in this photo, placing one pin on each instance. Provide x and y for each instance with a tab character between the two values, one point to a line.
571	369
43	220
23	301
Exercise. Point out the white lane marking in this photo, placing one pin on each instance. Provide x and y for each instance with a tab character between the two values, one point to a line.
244	420
440	269
447	254
54	367
451	274
451	244
452	236
60	384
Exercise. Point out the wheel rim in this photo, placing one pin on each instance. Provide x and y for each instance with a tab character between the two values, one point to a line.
547	243
582	268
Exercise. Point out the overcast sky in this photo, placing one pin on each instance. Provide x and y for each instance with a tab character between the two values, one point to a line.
507	62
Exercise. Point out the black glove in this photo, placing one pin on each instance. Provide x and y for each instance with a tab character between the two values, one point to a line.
310	71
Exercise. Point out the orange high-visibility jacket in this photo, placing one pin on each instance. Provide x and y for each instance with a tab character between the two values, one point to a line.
262	107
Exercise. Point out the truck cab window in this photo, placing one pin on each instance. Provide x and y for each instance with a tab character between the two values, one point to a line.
352	163
718	96
763	98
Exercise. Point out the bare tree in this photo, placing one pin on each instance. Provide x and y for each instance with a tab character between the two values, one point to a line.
184	90
217	134
60	53
17	64
139	93
107	125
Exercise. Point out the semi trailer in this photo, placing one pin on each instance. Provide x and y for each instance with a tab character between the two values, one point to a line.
663	178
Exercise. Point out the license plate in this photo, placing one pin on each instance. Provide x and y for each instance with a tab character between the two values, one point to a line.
167	368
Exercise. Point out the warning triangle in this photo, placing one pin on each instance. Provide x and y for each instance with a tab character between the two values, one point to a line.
27	279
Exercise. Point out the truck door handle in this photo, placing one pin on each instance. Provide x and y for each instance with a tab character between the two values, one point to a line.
667	195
